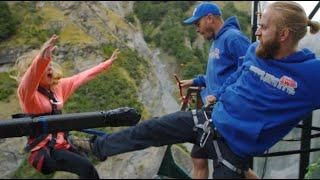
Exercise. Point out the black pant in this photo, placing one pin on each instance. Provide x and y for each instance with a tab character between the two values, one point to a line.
173	128
71	161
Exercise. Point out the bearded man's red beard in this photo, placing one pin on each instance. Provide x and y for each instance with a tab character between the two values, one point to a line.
268	49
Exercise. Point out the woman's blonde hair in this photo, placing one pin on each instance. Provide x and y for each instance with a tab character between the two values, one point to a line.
293	16
23	63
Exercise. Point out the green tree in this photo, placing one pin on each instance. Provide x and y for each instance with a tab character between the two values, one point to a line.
7	86
162	23
149	12
7	21
244	18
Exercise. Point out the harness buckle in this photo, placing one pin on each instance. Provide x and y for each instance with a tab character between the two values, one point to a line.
55	102
206	131
204	138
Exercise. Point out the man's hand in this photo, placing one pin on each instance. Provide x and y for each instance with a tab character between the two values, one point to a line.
48	47
186	83
210	100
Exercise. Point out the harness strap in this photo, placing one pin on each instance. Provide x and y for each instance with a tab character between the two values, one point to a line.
207	129
39	158
36	141
53	141
196	121
44	124
223	161
52	99
43	121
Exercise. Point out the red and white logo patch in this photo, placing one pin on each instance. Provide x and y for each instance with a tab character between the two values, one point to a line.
288	82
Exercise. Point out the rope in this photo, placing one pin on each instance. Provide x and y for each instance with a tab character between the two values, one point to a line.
94	132
264	166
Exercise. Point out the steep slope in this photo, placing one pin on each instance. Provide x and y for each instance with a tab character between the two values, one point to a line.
88	32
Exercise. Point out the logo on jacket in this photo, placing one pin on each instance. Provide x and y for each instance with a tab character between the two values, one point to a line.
215	54
285	83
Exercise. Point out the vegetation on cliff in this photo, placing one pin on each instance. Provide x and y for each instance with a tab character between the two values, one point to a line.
162	24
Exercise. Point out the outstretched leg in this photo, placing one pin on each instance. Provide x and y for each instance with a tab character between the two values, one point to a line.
169	129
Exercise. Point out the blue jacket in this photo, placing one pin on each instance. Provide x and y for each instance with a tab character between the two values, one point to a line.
226	54
265	99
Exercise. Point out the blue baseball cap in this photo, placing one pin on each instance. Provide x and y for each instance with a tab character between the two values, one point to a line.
203	9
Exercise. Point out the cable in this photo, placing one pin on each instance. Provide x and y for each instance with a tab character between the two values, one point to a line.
264	166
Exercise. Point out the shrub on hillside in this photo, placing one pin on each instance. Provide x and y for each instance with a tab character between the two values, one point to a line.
7	86
7	21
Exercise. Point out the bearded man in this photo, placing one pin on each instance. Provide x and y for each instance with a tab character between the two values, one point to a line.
255	108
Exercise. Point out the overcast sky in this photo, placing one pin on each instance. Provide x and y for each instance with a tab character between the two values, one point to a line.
308	7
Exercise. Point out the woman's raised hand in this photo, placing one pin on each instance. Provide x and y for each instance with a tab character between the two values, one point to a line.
114	55
48	47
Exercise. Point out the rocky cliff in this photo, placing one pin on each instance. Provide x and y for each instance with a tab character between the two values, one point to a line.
84	28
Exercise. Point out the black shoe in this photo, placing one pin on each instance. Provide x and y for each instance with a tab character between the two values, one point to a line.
82	144
86	145
95	153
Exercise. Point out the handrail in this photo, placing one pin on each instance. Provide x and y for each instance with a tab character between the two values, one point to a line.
191	92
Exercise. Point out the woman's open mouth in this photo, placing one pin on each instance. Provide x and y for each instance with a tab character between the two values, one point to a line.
50	76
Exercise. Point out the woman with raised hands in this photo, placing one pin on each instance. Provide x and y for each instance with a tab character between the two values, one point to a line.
43	91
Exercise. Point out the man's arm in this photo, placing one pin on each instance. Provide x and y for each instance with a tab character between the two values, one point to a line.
200	80
232	79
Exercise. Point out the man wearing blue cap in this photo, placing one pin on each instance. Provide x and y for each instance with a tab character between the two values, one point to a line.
225	56
256	107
